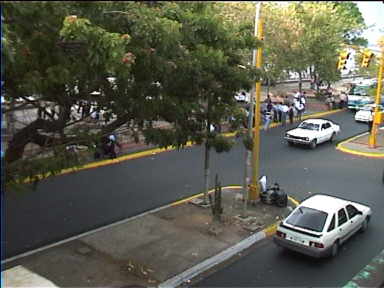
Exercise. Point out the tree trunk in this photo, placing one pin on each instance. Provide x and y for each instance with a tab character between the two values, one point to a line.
206	172
207	154
300	82
317	83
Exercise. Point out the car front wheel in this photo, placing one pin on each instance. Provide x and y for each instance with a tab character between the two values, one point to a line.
313	144
364	225
332	137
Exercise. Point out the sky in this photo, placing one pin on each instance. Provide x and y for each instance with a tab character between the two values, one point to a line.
373	13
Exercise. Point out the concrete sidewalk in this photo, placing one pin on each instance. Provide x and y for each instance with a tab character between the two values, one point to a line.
165	247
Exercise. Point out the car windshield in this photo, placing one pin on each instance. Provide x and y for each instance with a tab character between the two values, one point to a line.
308	218
309	126
359	90
367	108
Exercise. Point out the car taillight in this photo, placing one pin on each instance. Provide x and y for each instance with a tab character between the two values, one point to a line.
280	234
316	244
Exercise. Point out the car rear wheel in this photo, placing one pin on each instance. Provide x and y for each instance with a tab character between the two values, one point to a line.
332	137
313	144
335	249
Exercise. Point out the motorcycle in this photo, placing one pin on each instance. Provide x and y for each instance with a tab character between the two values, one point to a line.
273	195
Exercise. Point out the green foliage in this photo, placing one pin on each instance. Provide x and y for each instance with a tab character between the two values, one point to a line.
65	51
248	142
220	143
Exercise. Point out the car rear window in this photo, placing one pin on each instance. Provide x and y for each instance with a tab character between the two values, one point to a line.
308	218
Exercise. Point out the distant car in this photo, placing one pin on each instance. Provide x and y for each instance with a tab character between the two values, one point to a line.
243	96
320	224
312	132
365	113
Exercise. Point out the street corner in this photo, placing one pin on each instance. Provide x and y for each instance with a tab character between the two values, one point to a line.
359	145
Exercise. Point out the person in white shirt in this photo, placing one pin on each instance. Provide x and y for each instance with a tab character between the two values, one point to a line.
299	108
284	111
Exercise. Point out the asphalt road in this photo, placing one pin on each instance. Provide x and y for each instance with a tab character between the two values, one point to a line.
70	204
305	172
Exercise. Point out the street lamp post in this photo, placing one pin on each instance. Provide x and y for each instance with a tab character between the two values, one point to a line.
251	191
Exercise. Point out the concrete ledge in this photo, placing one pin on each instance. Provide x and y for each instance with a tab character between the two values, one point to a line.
371	275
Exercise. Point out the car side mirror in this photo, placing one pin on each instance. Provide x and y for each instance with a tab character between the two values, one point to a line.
359	213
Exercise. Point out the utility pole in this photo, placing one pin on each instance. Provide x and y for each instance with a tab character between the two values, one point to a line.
251	190
376	119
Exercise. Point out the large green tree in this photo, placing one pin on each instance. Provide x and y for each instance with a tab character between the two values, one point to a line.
301	36
178	62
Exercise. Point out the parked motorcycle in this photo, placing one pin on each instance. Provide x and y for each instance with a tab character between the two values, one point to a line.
273	195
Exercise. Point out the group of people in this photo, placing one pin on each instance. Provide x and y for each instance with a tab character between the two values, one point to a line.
281	111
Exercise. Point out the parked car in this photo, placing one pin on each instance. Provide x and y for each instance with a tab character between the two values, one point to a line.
312	132
243	96
320	224
365	114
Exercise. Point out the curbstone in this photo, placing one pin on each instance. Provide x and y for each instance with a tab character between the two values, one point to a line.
209	263
371	275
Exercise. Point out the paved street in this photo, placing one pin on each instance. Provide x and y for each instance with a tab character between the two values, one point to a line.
323	170
70	204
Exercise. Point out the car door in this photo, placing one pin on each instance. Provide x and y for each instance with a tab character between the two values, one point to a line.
328	130
331	234
343	226
323	133
355	218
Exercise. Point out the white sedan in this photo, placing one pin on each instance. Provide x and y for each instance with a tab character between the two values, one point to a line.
320	224
312	132
365	114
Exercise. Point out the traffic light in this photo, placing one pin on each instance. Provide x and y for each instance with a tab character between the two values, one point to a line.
367	57
343	57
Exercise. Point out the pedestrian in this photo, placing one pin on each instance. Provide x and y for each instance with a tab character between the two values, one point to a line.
291	113
328	102
303	99
284	110
299	109
279	112
267	119
312	84
40	112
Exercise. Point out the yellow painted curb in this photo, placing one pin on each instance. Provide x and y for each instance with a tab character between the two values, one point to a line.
354	152
271	229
